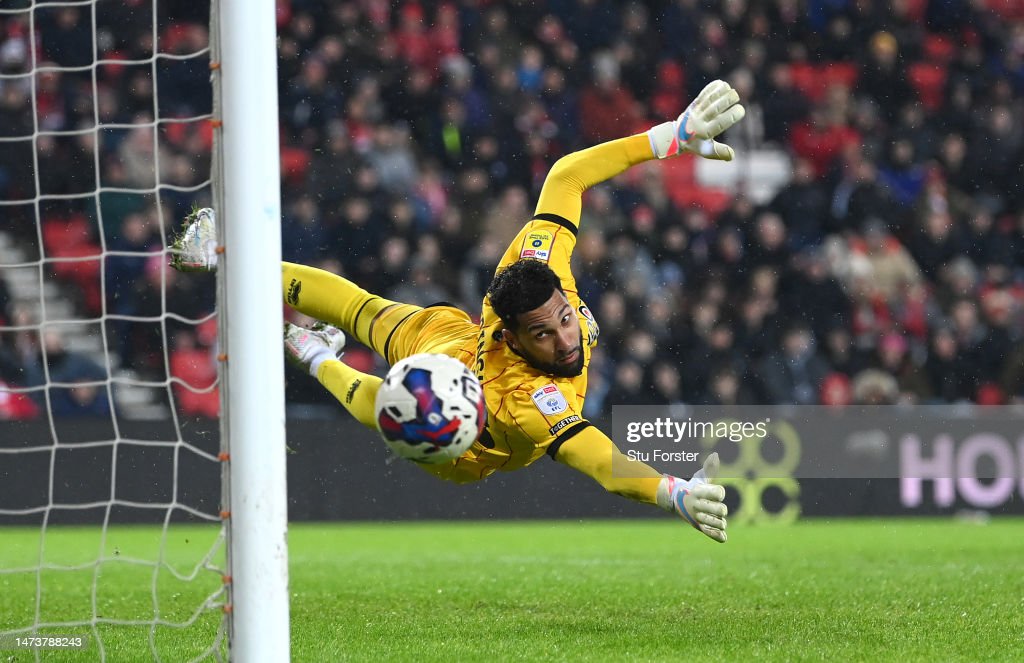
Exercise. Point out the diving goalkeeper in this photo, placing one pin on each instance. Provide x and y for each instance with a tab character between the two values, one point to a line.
533	344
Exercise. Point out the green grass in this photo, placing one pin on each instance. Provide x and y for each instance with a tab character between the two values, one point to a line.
844	590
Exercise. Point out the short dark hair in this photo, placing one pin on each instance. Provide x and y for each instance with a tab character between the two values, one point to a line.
522	286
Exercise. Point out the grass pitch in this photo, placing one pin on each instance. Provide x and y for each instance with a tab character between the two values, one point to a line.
842	590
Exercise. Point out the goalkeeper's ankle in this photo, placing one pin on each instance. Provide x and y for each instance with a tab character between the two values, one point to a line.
321	355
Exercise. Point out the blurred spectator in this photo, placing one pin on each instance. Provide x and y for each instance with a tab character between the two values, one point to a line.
793	375
125	289
783	104
810	293
836	390
726	387
392	158
803	206
874	387
894	359
952	375
889	266
303	233
6	308
607	108
83	391
628	387
936	243
883	77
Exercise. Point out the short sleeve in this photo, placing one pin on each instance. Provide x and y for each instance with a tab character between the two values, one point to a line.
547	415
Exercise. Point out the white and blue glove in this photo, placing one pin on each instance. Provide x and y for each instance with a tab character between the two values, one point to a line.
697	500
714	110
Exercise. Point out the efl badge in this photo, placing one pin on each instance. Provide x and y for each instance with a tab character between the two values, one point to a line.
549	400
538	245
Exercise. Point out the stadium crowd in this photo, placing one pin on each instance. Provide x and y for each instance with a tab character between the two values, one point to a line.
415	137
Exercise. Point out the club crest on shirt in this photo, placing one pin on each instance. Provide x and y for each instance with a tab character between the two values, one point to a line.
537	245
593	330
549	400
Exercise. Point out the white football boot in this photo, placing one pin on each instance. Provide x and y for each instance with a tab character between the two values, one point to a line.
195	249
308	348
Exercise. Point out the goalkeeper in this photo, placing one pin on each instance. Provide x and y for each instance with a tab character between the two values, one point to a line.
533	344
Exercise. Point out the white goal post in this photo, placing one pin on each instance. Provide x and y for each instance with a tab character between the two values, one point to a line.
134	470
251	324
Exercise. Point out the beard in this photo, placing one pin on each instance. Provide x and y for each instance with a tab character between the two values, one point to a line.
554	368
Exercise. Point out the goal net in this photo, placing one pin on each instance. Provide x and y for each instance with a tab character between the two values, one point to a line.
111	508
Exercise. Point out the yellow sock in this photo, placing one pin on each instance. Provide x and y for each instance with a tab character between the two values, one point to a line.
367	318
354	389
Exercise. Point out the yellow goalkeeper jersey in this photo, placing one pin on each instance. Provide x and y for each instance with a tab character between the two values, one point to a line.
531	413
529	410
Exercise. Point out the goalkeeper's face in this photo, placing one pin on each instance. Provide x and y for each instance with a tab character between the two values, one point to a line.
549	338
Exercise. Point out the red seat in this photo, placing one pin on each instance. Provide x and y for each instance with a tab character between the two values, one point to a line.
677	174
83	273
929	81
1008	9
813	81
916	9
839	73
196	369
294	164
173	35
71	237
805	80
938	48
712	201
181	133
61	233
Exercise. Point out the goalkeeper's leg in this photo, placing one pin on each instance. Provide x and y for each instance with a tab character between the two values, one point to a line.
393	329
317	352
367	318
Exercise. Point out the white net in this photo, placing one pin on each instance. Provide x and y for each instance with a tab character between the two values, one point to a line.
110	460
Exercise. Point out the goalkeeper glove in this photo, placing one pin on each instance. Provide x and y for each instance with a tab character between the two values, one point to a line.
698	500
714	110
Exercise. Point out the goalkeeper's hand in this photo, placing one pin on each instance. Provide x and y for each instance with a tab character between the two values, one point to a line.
699	501
714	110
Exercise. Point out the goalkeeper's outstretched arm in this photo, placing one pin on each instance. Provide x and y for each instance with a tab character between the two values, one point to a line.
714	110
697	500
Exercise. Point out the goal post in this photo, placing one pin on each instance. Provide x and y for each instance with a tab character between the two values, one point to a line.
125	519
245	39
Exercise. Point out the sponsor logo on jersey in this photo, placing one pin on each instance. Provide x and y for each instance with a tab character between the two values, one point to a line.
538	245
593	330
549	400
571	419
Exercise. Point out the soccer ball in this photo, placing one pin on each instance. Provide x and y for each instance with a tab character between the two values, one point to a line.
430	408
